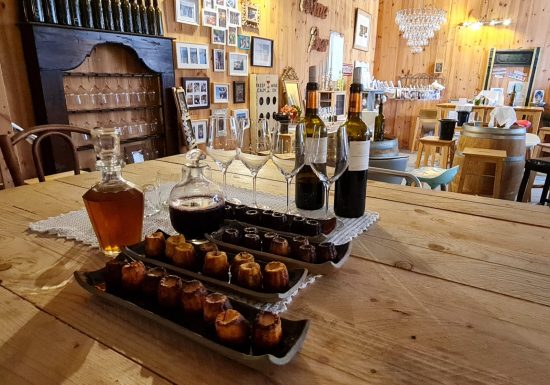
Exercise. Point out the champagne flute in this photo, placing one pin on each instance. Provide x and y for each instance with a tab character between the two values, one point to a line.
288	152
329	157
221	145
254	149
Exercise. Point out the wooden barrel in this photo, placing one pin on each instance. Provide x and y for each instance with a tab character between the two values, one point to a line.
481	180
387	148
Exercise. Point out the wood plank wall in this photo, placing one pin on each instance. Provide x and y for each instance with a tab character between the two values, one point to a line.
464	52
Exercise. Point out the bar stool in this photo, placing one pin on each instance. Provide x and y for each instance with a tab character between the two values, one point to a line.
483	155
428	148
426	120
541	165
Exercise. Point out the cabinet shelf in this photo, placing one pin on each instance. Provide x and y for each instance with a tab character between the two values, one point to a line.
96	110
110	75
124	141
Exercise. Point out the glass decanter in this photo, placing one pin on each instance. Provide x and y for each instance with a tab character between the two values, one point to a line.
196	204
114	205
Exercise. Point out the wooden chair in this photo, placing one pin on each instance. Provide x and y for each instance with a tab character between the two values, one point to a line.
428	148
482	155
62	131
525	191
426	119
543	133
541	165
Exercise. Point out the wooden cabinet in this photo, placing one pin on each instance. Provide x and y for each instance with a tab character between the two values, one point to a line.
336	101
97	78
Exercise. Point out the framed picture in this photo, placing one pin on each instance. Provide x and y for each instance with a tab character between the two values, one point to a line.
292	93
262	52
242	114
438	67
538	96
208	4
362	30
209	17
192	56
218	56
220	92
234	18
220	3
222	17
232	36
243	42
197	92
200	130
252	14
238	64
187	11
218	36
231	3
184	120
239	92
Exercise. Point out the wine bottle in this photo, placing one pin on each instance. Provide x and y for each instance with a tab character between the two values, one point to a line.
379	123
309	189
136	17
63	12
75	13
97	8
127	16
118	17
351	187
151	18
158	15
86	13
50	13
144	18
108	15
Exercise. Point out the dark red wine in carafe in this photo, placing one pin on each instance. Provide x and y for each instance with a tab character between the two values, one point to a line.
195	216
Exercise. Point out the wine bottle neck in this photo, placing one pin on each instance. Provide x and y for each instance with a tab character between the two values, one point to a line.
355	100
312	99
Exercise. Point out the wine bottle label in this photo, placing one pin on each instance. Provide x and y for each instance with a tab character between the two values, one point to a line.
317	149
359	155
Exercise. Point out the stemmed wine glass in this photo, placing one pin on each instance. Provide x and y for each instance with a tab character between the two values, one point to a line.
222	144
329	157
254	149
288	152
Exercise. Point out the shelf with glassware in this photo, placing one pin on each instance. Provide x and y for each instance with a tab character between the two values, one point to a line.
333	103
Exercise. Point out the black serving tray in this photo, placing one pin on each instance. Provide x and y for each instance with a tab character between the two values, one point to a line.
344	250
294	332
295	275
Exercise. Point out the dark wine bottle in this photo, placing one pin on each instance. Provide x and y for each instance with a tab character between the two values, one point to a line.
127	16
351	187
50	13
86	13
144	18
136	17
63	12
75	13
118	17
34	10
151	18
309	189
379	123
97	8
158	15
108	15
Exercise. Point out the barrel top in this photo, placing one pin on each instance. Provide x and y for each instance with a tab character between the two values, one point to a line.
466	128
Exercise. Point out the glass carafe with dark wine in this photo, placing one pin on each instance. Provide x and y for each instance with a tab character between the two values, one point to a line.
114	205
196	204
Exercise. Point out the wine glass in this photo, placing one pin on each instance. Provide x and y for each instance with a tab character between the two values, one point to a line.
254	149
221	144
288	152
328	157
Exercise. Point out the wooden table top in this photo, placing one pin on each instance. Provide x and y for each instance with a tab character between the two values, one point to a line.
517	108
445	288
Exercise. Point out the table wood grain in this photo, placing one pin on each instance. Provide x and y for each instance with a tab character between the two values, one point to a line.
445	288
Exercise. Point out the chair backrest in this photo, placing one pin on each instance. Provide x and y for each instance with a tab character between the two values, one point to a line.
427	114
62	131
409	178
390	170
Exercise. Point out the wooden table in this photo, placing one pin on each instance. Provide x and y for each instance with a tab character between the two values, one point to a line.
445	288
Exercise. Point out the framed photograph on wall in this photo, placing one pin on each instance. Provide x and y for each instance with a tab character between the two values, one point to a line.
192	56
362	30
208	4
242	114
234	18
218	36
222	17
232	36
220	93
538	96
184	120
238	64
218	58
438	67
262	52
209	17
197	92
252	14
220	3
200	130
239	92
243	42
187	11
231	3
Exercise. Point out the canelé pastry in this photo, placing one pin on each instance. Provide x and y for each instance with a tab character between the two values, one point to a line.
279	246
252	241
278	221
113	273
312	228
216	264
214	304
231	235
250	230
155	245
204	248
266	242
265	218
132	276
232	328
171	244
169	291
184	256
297	225
238	260
275	278
267	331
240	211
307	253
250	276
252	217
150	283
326	251
192	297
295	244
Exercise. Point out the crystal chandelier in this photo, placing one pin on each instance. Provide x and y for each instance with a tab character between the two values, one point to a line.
419	25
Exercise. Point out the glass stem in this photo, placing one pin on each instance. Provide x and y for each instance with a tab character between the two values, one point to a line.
224	174
254	189
288	181
327	191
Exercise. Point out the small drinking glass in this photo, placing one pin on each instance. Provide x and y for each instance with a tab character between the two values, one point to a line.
152	199
288	152
254	150
328	157
221	143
